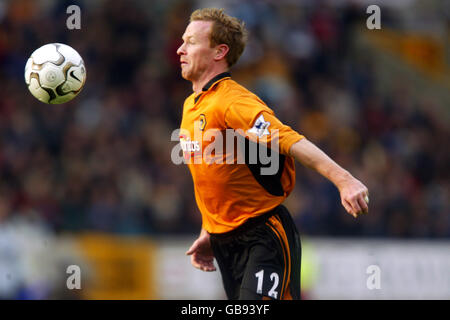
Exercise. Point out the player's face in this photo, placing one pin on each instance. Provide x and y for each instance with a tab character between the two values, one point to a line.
195	53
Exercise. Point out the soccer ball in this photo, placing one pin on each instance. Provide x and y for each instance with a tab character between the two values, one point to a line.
55	73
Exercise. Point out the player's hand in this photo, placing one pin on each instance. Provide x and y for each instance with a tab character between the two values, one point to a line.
354	197
202	256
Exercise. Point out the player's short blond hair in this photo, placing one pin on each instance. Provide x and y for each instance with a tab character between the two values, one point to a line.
225	30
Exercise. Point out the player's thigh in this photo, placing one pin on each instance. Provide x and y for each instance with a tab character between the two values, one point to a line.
266	271
224	257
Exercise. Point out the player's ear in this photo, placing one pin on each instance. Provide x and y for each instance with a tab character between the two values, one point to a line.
221	51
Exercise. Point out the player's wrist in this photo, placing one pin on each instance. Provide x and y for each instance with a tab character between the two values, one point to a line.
342	178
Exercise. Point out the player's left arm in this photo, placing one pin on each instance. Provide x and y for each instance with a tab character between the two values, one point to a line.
245	113
354	194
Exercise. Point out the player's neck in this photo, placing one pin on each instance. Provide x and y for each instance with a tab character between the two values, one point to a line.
198	85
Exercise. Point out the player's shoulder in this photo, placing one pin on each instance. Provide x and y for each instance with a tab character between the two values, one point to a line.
234	91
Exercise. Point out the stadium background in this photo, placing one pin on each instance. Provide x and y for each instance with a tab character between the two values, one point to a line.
91	182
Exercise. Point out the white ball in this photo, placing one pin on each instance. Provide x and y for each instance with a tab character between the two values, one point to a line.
55	73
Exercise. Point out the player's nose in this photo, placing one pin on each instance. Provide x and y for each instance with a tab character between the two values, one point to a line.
181	50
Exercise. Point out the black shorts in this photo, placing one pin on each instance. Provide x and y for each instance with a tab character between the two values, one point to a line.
261	258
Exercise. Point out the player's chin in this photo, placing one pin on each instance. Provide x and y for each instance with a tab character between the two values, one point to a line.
185	75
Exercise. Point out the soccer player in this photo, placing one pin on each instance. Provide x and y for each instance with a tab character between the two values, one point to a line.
244	226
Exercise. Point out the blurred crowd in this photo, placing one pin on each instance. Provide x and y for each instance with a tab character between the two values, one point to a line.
102	161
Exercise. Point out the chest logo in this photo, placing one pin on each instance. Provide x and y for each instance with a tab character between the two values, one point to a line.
202	122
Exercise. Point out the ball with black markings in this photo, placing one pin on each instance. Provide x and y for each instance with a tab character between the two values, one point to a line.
55	73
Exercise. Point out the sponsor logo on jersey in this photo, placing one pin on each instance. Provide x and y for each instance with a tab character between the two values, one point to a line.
213	146
188	146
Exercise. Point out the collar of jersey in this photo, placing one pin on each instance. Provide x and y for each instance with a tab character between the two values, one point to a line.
216	79
211	83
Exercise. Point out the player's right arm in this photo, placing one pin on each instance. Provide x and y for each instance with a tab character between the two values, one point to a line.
202	256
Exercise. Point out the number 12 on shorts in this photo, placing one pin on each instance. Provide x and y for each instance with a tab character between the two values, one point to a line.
274	278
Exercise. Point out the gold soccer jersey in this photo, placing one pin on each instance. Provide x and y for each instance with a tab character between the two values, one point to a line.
229	191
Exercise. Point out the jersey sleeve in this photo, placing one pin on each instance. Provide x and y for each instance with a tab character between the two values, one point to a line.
259	123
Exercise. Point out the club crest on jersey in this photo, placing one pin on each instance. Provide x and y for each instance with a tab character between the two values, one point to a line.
202	122
260	127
